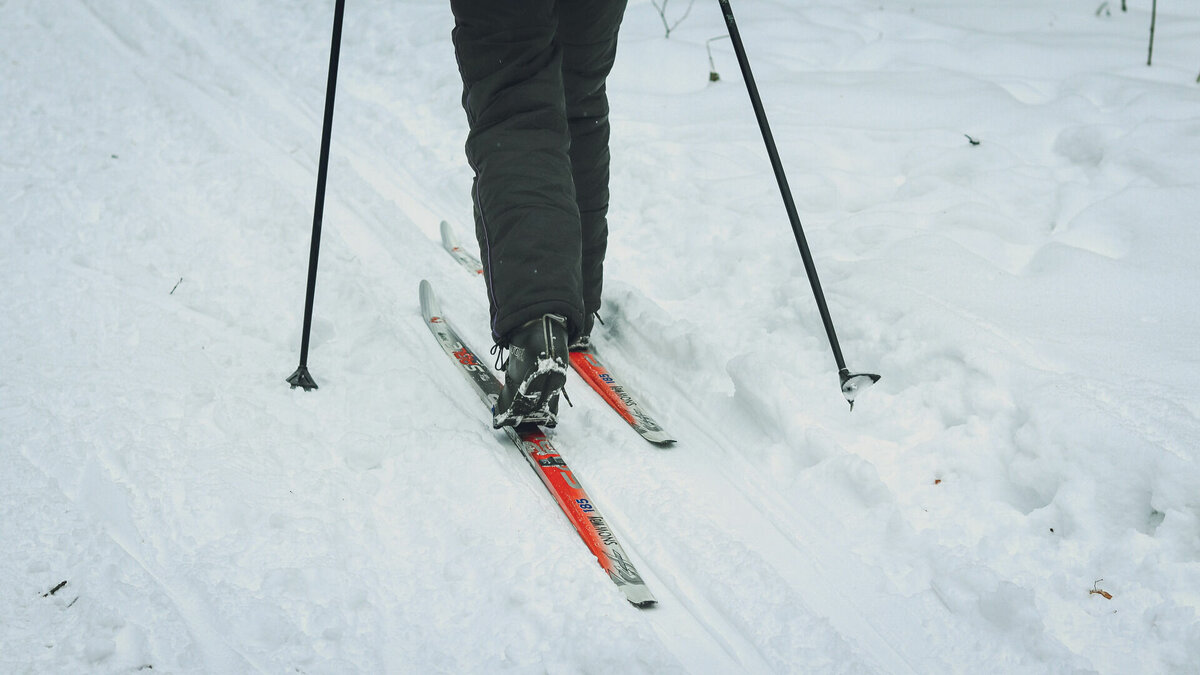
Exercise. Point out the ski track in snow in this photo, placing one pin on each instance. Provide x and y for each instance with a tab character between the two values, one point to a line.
1029	300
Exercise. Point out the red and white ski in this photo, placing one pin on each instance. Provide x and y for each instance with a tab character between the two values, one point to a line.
544	458
586	363
593	371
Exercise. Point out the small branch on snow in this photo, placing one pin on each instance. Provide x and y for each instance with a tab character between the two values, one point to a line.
972	141
662	14
56	589
1097	591
176	286
712	66
1103	9
1153	18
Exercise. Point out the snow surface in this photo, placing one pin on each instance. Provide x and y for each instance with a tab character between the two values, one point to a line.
1031	302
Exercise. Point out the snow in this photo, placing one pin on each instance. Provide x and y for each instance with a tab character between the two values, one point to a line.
1031	302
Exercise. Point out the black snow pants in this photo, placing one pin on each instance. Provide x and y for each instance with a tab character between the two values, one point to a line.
533	75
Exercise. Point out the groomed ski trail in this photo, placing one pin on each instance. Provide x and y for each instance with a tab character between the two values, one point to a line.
348	529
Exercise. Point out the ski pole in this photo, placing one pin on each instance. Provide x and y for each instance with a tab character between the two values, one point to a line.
852	383
302	378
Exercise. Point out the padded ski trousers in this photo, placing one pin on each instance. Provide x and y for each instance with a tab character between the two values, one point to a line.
534	75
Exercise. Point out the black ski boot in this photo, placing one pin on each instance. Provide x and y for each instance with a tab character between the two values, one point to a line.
534	374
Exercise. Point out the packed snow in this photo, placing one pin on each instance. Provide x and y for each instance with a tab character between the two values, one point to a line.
1002	203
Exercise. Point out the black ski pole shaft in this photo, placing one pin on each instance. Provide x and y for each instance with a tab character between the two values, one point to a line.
302	378
851	383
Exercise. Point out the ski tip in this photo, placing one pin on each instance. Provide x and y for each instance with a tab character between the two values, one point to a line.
643	604
447	235
429	303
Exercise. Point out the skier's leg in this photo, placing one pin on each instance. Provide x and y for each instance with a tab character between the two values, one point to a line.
526	216
587	34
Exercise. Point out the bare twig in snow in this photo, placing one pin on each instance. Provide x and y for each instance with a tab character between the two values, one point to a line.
1100	592
1153	17
662	14
712	66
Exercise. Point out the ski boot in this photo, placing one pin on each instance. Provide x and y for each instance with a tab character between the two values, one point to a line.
534	374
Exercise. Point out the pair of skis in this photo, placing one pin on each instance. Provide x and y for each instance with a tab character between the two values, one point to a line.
533	443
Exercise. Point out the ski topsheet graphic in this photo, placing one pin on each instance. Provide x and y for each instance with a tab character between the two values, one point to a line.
593	371
544	458
587	363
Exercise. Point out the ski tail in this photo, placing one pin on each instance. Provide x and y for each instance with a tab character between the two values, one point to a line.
596	374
